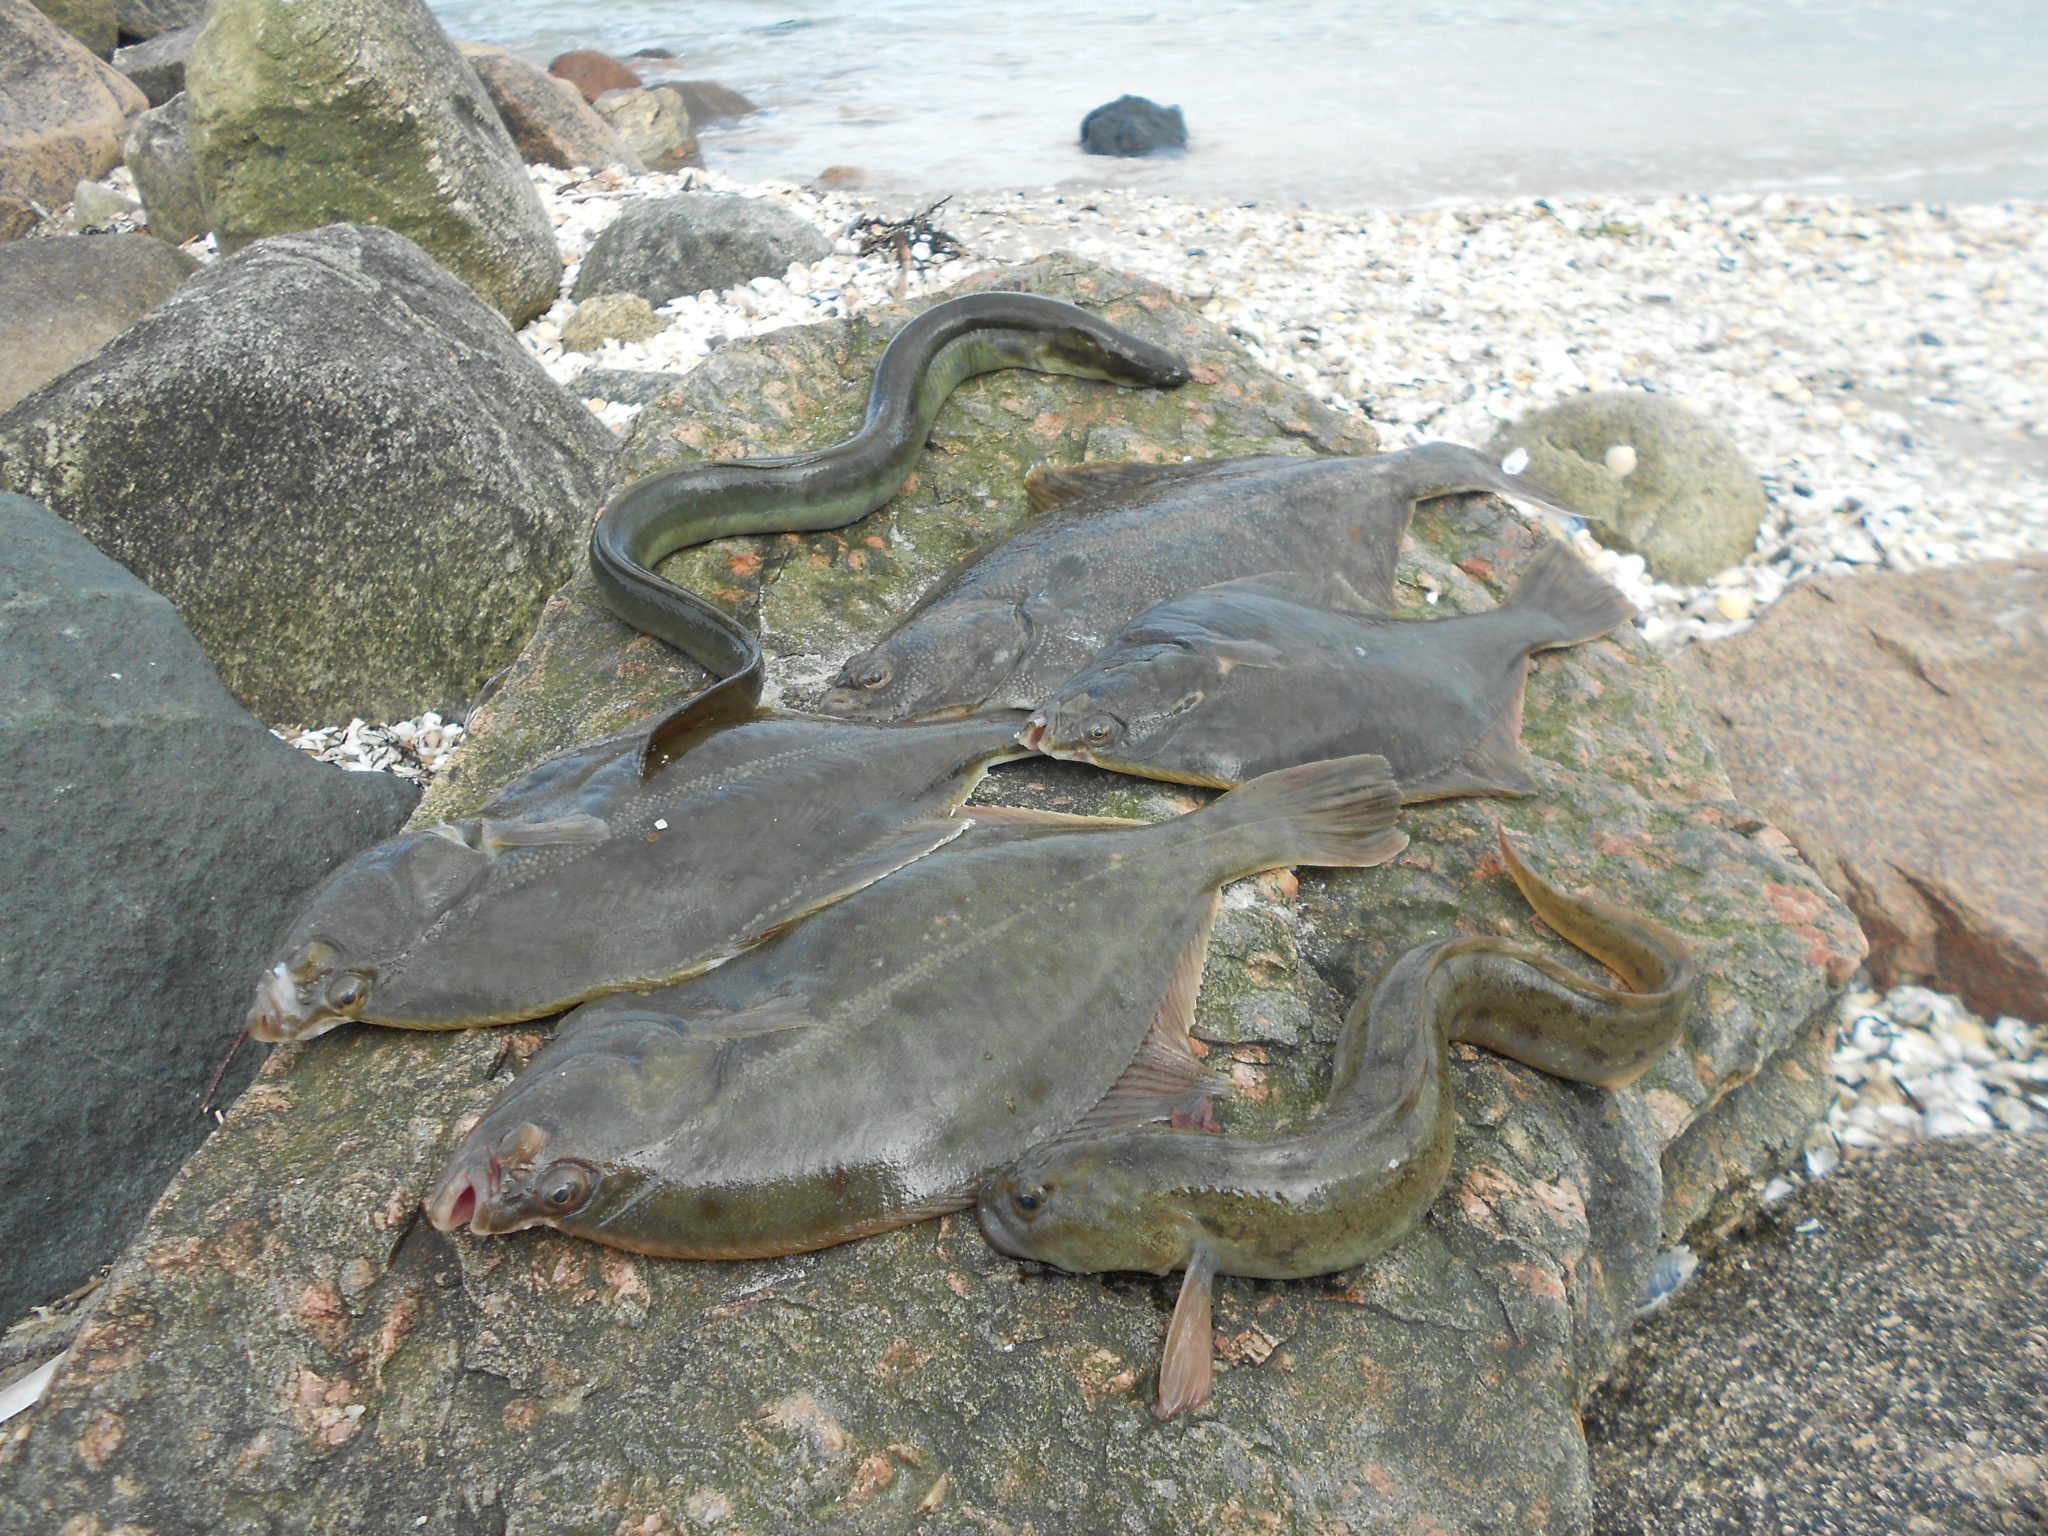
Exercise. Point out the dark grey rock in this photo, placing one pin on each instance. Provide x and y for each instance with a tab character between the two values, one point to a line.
63	296
710	102
158	66
1874	1358
354	484
548	118
694	241
156	839
1689	504
305	1357
160	159
142	19
1131	126
629	386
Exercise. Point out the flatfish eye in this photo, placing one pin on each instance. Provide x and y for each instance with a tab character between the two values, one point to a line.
873	675
1102	729
1029	1200
347	992
563	1187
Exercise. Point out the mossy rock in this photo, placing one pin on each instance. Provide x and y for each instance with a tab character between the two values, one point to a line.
288	1346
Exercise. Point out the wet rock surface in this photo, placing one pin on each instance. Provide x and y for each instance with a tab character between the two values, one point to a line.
654	124
299	1350
1659	480
62	114
156	836
62	297
1940	857
1874	1357
361	111
337	463
695	241
158	66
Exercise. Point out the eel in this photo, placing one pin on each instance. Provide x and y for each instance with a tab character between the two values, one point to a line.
1351	1184
1019	616
1243	677
874	1064
585	876
953	341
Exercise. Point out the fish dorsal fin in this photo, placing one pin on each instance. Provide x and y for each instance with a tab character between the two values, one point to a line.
1495	764
573	830
1024	816
1187	1369
1164	1078
1049	486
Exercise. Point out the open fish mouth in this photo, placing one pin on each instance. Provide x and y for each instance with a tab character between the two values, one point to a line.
467	1194
1033	734
280	1015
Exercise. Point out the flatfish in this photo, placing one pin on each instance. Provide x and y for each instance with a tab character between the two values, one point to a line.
1347	1187
1243	677
587	876
871	1066
1020	616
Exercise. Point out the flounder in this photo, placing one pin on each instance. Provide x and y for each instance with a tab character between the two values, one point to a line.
874	1064
1347	1187
586	876
1020	616
1243	677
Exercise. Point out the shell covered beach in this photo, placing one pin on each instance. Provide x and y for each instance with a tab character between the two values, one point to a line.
358	454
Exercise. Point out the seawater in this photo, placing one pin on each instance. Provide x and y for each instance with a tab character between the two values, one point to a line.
1399	103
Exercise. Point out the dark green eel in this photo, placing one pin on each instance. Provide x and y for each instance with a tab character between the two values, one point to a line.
1344	1189
951	342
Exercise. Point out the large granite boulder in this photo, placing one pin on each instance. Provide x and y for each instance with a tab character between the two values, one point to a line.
62	297
1659	480
90	21
157	839
348	476
158	66
62	114
548	118
288	1345
140	20
318	112
1895	724
160	159
1873	1358
694	241
1132	127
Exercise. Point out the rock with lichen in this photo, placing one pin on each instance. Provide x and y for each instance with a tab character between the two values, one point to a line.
287	1343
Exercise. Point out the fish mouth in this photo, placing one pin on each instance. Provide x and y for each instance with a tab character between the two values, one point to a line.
840	702
467	1195
1032	737
996	1226
279	1017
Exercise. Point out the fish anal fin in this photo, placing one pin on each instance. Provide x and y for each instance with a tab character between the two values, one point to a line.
1053	485
1187	1368
1025	816
1164	1080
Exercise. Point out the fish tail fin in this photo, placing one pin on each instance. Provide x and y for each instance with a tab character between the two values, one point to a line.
1339	812
1565	602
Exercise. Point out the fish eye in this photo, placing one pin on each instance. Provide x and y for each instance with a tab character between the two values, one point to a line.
348	992
1031	1199
564	1187
1102	728
876	675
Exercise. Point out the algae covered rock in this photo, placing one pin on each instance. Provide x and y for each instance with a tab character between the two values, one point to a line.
340	466
1659	480
160	160
304	1352
319	112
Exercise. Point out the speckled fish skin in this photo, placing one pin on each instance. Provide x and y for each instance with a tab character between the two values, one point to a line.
1243	677
586	877
869	1067
1021	616
1357	1178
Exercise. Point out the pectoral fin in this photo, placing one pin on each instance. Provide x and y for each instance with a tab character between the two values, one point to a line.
1049	486
576	829
1187	1369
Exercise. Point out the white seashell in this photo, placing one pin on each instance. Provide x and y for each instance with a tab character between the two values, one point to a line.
1515	462
1621	461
